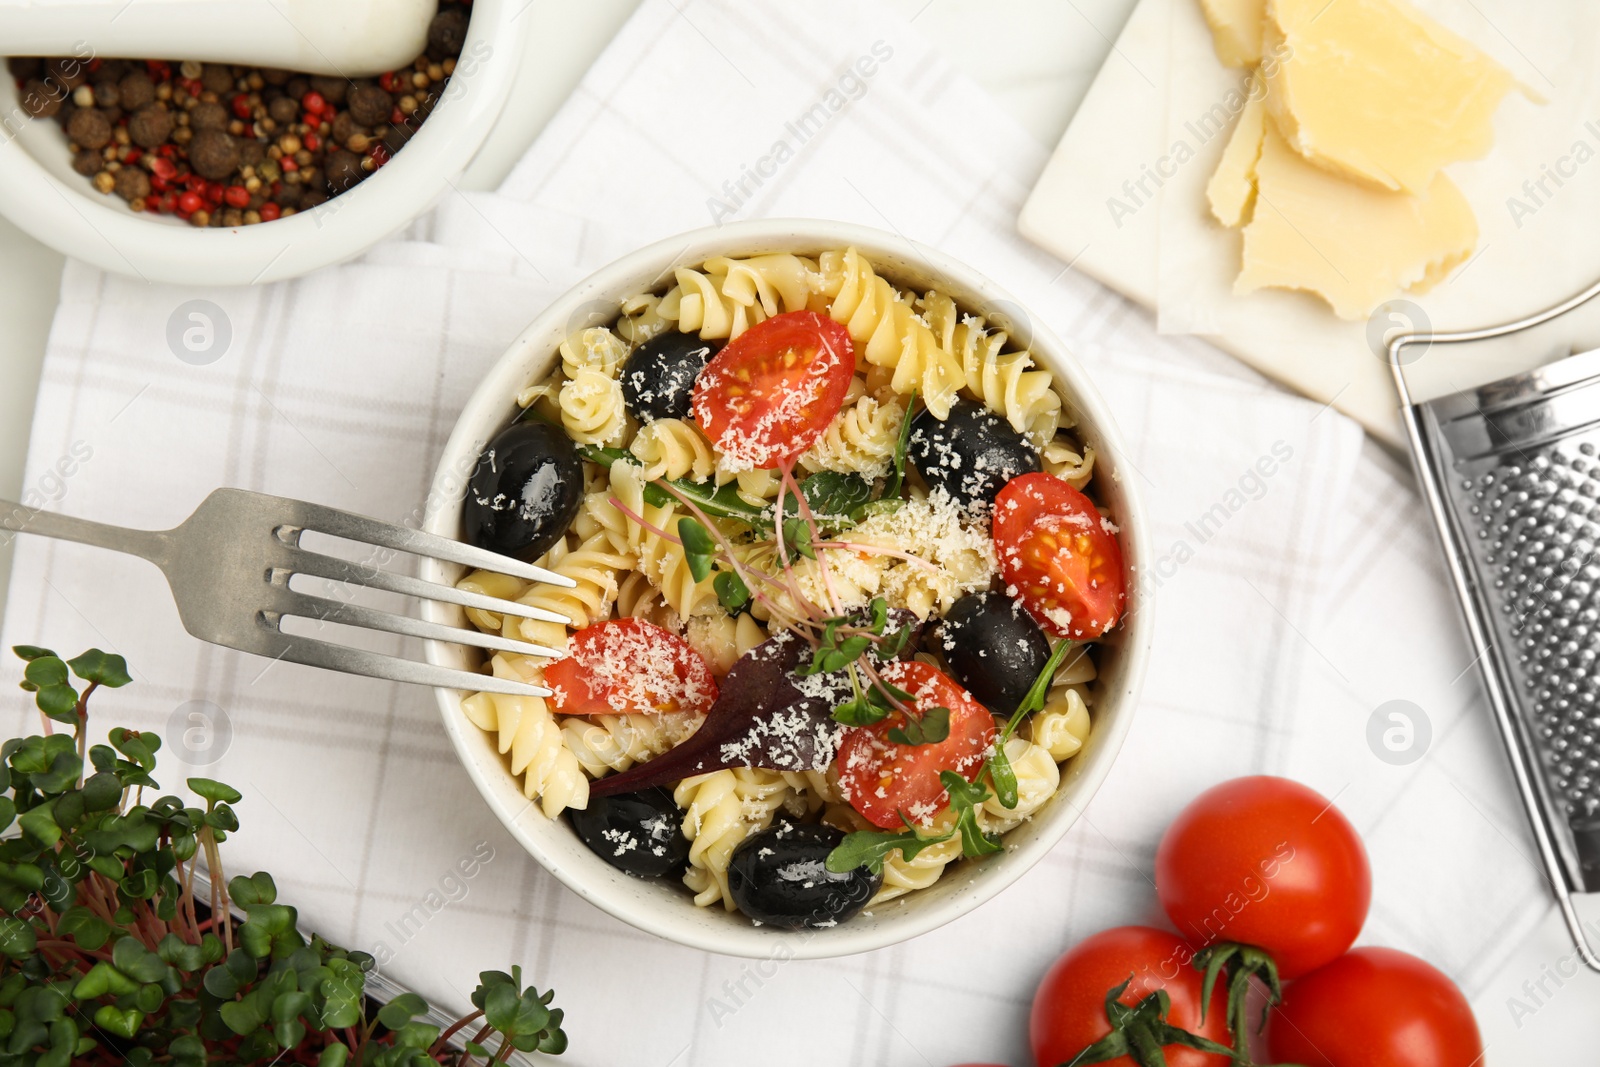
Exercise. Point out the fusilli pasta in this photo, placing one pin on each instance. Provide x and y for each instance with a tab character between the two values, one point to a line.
888	331
721	640
673	448
721	809
731	295
661	560
525	730
861	439
606	743
592	410
1006	382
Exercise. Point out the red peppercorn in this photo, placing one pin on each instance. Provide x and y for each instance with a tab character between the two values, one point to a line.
196	183
312	142
215	193
168	151
386	79
189	203
162	168
288	164
237	196
397	117
379	154
159	71
133	156
95	64
241	105
313	102
270	211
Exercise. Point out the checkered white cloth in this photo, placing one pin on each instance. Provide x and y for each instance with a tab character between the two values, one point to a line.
1297	586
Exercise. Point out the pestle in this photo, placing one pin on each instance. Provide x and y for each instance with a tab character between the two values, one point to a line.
354	38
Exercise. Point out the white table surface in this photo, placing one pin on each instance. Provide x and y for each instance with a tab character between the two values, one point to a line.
1051	51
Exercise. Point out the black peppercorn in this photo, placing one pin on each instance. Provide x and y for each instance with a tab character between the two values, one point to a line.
132	183
88	128
283	110
370	105
447	33
88	162
217	78
150	125
343	170
333	90
208	115
136	90
213	154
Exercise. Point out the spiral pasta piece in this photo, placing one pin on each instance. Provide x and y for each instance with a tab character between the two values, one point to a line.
902	876
721	640
673	448
594	566
729	296
661	560
1073	464
1062	726
592	409
1037	780
1005	382
524	729
721	809
606	743
888	331
861	439
596	348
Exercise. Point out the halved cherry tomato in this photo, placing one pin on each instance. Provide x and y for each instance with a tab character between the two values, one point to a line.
1268	862
1058	556
628	665
882	779
1069	1012
1375	1007
771	393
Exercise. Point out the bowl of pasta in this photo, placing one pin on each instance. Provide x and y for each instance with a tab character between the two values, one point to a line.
851	633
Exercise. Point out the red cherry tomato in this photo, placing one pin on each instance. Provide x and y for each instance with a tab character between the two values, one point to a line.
628	665
1069	1011
1267	862
1058	556
881	779
771	393
1375	1007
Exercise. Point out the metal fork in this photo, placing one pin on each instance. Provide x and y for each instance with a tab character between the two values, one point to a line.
229	564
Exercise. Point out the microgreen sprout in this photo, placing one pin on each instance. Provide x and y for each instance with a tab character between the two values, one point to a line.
107	958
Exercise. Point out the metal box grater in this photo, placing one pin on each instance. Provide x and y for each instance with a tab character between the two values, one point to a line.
1511	474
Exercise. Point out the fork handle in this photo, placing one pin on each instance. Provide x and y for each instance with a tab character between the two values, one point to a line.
19	518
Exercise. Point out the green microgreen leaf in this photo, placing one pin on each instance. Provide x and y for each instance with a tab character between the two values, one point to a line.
215	792
105	668
897	473
797	539
930	728
832	496
732	592
997	767
721	501
965	798
699	549
32	652
871	848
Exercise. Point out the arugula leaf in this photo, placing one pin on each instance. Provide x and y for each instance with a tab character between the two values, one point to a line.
870	848
723	502
965	797
930	729
699	550
797	539
732	593
998	765
893	643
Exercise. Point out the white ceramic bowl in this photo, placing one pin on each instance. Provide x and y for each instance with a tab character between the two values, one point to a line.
664	908
42	195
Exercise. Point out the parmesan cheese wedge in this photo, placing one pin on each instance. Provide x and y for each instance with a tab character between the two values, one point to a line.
1376	90
1232	188
1351	244
1235	30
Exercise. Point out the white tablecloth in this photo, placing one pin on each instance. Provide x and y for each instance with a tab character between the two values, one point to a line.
1314	598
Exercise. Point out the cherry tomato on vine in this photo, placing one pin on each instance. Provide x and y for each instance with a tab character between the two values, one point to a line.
1069	1011
772	391
881	779
1375	1007
629	665
1058	556
1268	862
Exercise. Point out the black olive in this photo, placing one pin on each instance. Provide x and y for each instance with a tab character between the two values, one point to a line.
525	492
658	377
638	833
779	877
994	649
971	455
